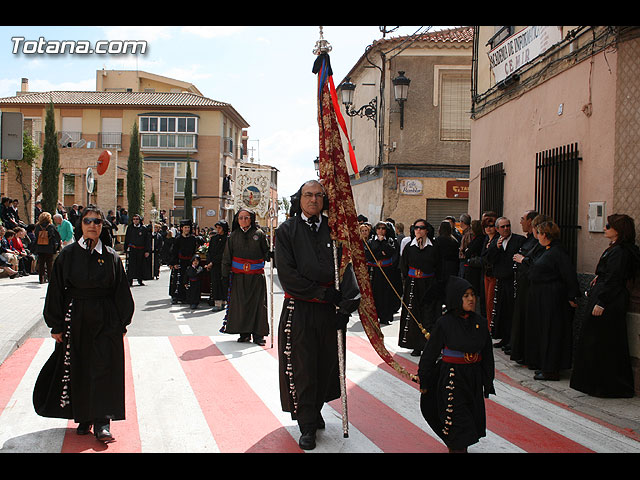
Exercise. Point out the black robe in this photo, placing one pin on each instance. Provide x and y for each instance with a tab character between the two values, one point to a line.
457	415
503	269
94	288
193	285
307	337
602	365
217	244
553	282
137	242
422	297
182	252
521	333
247	307
385	277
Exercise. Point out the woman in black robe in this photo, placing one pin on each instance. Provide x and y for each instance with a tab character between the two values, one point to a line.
88	308
422	300
554	292
473	260
243	267
217	242
456	370
602	365
385	276
449	249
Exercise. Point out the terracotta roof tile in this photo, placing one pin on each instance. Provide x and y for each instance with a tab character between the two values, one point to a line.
114	98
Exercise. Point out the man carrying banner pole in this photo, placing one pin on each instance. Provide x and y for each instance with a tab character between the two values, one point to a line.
313	311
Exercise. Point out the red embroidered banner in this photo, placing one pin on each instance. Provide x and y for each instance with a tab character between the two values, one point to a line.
342	214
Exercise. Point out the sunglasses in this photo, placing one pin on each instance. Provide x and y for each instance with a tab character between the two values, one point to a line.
420	227
89	221
505	226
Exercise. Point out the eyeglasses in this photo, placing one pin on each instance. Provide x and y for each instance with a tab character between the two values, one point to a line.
508	225
94	220
310	195
490	225
420	227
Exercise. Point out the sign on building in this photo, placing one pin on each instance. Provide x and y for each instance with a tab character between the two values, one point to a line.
521	48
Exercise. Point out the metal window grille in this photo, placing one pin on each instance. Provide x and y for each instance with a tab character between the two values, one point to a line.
492	188
557	172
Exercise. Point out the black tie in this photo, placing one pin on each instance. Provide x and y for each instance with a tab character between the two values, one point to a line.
312	223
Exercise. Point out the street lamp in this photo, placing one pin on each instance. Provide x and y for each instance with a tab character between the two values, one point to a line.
369	110
401	91
316	165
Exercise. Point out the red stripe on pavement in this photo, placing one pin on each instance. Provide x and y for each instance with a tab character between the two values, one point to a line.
527	434
234	413
125	432
13	368
512	426
390	431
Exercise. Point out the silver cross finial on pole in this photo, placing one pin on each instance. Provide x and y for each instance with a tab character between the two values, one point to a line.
322	45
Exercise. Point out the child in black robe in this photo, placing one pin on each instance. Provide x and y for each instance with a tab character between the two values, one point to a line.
193	279
456	370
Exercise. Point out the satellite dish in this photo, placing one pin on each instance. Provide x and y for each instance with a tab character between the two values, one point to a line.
90	180
103	161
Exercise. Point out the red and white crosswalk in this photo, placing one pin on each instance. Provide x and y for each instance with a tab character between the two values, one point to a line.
213	394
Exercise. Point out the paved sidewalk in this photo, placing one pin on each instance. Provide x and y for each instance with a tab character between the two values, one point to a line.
22	301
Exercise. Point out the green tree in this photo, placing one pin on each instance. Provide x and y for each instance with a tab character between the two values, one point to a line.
188	193
50	163
135	176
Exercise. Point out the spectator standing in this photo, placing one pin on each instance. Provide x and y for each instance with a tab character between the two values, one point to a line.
65	229
500	254
47	244
554	292
602	365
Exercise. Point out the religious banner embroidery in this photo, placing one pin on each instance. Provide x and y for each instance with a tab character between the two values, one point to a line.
342	214
252	189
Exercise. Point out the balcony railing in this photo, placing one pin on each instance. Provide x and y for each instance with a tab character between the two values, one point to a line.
110	140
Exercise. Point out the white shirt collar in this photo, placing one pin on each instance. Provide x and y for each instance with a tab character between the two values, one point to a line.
305	218
97	247
427	242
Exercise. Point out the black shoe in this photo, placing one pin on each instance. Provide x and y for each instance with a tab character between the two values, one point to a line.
416	353
259	341
244	338
102	433
84	428
141	283
546	376
307	441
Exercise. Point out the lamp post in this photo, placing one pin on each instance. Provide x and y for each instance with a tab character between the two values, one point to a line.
370	110
316	166
401	91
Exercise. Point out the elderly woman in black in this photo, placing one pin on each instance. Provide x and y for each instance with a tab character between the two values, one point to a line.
386	282
456	370
602	365
88	308
554	291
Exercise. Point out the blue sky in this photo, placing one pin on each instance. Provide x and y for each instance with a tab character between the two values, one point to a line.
263	71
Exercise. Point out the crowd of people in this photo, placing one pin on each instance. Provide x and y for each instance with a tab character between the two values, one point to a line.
462	290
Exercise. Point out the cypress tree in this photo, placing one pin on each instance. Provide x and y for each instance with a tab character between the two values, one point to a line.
135	176
188	193
50	163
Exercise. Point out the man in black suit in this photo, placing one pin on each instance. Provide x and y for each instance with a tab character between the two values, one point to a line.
500	255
